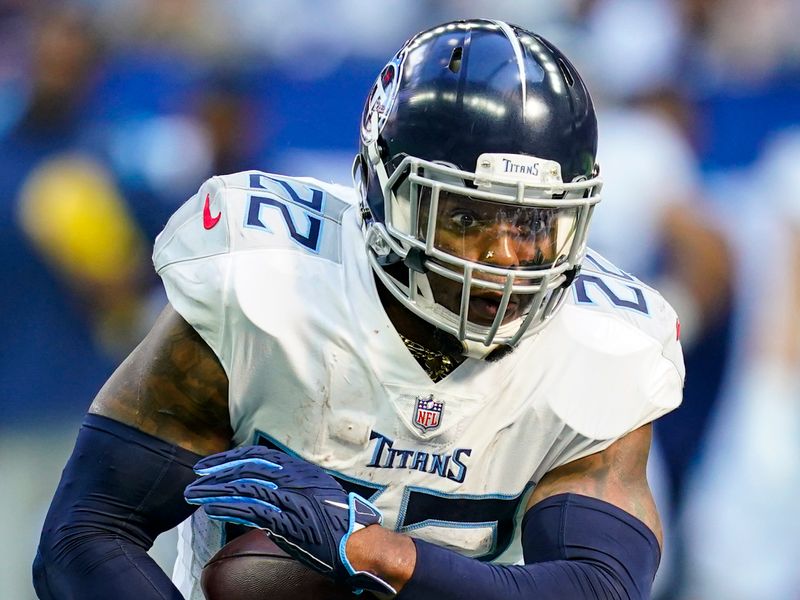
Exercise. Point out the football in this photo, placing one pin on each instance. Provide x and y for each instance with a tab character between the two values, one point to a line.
252	567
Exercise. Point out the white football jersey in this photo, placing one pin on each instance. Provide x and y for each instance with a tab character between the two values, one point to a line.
272	272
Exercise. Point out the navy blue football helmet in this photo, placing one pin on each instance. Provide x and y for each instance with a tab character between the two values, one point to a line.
477	173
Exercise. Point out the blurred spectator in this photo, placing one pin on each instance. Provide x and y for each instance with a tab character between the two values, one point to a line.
742	530
739	42
631	46
742	63
50	365
74	217
237	129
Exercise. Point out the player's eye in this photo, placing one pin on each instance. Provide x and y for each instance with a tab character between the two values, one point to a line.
536	225
462	220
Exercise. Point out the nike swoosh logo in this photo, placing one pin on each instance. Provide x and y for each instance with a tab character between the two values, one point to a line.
208	221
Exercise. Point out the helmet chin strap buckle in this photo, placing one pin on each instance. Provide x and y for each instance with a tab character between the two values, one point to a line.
415	260
570	276
477	350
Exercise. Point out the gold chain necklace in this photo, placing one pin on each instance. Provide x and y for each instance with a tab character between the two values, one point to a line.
436	364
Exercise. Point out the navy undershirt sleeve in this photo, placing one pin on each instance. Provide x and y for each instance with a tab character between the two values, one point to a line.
574	547
119	490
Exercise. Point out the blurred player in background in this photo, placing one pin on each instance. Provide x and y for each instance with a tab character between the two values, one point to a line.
435	353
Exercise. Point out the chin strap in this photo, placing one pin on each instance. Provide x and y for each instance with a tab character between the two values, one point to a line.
570	276
478	350
467	348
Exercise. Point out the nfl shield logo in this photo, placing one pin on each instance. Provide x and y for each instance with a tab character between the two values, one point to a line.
427	412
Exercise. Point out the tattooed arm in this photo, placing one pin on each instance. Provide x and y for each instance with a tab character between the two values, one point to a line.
123	485
173	387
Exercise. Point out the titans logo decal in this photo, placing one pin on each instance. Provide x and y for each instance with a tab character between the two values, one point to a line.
381	100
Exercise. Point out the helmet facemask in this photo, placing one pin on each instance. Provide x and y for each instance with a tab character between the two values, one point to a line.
488	255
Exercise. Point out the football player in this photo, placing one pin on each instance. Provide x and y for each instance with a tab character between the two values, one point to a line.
411	385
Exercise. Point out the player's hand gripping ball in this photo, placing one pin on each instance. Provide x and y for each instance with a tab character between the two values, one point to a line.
302	508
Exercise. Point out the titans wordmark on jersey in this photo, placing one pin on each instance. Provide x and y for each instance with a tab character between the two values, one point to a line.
272	272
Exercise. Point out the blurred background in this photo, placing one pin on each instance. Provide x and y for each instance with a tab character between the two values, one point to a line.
113	112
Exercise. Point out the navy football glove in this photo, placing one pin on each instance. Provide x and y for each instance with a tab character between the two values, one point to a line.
302	508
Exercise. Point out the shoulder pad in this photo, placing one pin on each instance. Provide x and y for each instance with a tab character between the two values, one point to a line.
616	352
604	288
199	228
253	210
231	219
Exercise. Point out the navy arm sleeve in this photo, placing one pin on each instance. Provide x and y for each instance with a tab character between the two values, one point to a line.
574	547
119	490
